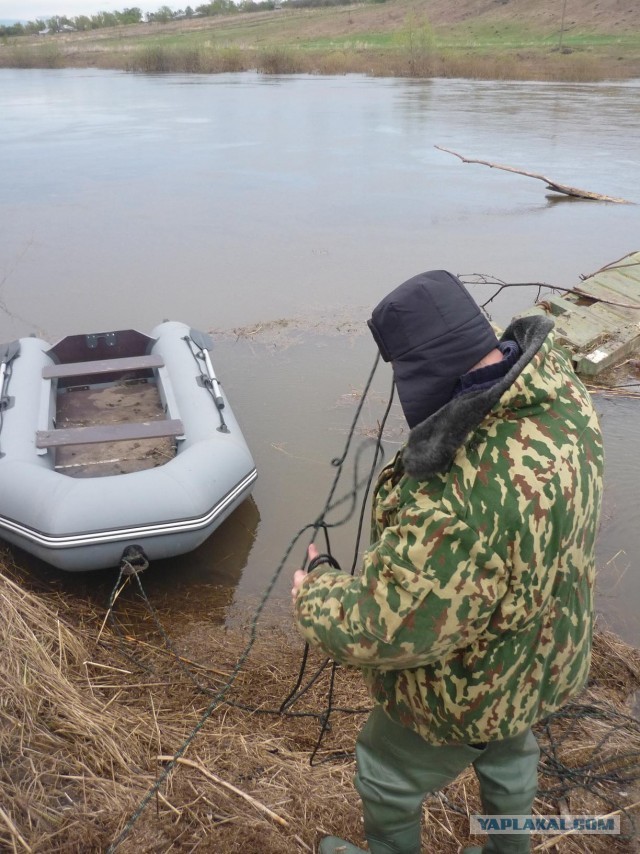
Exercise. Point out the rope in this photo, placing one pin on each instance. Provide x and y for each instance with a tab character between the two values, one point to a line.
597	770
220	694
213	705
294	695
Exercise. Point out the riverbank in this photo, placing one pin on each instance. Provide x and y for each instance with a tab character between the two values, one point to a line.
393	39
94	708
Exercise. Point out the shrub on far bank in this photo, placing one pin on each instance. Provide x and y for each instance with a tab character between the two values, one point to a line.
279	60
25	56
157	59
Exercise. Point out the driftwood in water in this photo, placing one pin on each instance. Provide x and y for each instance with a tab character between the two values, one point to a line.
551	185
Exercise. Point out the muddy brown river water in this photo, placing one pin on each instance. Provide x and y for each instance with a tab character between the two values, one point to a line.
276	212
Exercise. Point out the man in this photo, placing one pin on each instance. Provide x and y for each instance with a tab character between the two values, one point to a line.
472	617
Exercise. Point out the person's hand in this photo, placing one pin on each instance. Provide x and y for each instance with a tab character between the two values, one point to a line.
299	575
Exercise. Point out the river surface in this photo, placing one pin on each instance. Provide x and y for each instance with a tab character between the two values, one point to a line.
276	212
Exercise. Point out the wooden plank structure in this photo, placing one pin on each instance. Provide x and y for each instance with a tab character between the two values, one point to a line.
599	320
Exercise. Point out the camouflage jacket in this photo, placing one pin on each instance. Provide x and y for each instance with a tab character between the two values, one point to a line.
472	616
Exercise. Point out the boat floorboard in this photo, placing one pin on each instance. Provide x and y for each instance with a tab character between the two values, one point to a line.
118	403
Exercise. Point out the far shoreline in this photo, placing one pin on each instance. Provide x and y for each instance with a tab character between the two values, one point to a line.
402	45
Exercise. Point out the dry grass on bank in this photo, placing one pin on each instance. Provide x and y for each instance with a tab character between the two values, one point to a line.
86	711
545	65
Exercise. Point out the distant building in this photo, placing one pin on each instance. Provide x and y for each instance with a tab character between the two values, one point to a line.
64	28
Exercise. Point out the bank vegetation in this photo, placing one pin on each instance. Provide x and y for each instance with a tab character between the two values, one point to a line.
92	710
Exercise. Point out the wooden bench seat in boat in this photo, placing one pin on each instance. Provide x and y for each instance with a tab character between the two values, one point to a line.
102	366
109	433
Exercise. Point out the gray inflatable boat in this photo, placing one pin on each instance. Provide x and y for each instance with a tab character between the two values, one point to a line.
114	440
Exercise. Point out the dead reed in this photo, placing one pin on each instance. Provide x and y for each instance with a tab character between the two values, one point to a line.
398	61
31	56
90	712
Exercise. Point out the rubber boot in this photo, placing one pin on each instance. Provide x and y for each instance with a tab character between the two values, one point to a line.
396	769
507	772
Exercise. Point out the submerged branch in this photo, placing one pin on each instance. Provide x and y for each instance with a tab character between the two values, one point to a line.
551	185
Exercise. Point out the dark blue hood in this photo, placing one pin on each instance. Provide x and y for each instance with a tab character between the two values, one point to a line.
432	332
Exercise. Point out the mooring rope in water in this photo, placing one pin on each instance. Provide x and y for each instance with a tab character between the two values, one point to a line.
221	693
213	705
128	573
205	689
294	695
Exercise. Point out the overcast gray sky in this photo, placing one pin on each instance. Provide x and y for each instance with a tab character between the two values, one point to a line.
29	10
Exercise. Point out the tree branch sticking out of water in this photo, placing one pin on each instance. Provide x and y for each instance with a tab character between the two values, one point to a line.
551	185
488	279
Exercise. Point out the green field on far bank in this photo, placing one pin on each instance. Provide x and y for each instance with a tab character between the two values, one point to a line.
493	43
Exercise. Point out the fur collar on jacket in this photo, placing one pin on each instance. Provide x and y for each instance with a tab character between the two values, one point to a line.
433	443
